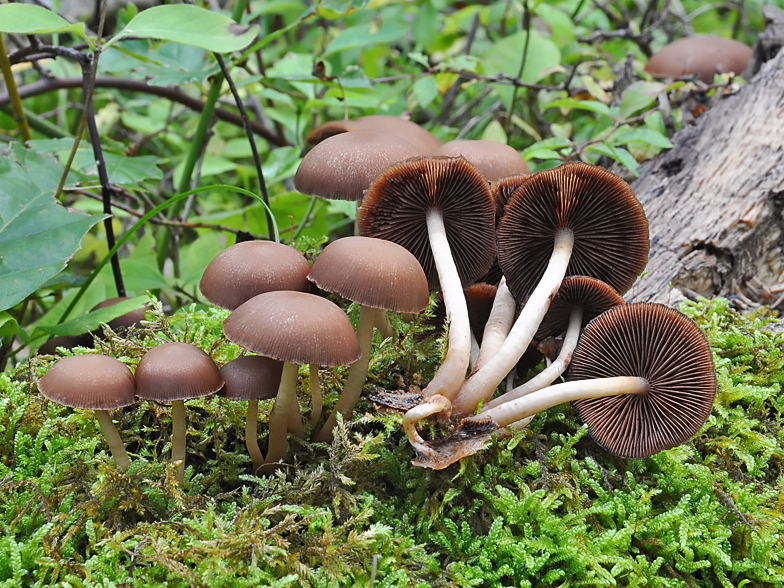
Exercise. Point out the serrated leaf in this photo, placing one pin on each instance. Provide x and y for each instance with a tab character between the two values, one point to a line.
92	320
29	19
190	25
37	235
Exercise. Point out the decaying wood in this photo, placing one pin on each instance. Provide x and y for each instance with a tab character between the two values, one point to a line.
715	201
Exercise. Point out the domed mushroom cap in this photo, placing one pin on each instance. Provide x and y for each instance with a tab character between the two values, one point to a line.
495	160
704	55
176	371
396	206
593	296
608	222
665	347
409	131
372	272
251	377
126	321
248	269
343	166
294	327
95	382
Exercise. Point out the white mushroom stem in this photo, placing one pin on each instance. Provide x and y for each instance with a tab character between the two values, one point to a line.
368	319
252	435
481	385
548	375
316	401
294	424
112	437
451	374
384	326
434	405
179	431
534	403
498	324
474	352
287	390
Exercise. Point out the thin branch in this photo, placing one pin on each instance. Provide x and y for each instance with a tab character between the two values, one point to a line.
16	102
527	28
500	78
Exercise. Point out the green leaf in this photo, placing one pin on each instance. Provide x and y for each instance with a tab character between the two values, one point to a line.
494	132
92	320
37	235
530	154
618	154
29	19
8	325
190	25
425	91
646	135
366	34
590	105
638	96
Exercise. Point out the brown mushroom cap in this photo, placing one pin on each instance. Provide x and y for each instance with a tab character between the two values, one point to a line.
502	192
343	166
608	222
381	123
95	382
247	269
126	321
251	377
704	55
294	327
396	206
665	347
494	160
372	272
176	371
479	299
591	295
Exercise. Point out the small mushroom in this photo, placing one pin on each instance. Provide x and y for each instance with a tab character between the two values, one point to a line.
704	55
94	382
404	129
176	372
494	160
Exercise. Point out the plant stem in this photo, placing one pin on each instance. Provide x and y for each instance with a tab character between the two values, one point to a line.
112	437
16	102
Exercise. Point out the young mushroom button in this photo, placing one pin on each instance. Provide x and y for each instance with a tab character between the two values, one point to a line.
379	275
404	129
94	382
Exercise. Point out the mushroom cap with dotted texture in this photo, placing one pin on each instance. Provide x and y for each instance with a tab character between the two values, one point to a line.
372	272
250	268
493	159
662	345
251	377
407	130
176	371
294	327
704	55
608	223
591	295
96	382
343	166
397	203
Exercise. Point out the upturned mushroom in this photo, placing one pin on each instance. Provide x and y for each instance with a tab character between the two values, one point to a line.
173	373
93	382
379	275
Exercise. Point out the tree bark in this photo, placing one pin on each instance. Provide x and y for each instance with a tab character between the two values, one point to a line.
715	201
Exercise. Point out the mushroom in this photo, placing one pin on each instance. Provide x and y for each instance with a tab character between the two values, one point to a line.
296	328
342	167
175	372
442	211
379	275
704	55
94	382
247	269
494	160
251	378
642	378
125	321
576	219
404	129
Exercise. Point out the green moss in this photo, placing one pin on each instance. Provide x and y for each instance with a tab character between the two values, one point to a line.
545	507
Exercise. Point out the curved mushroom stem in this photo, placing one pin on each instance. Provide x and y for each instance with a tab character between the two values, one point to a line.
278	443
534	403
548	375
252	435
474	352
384	326
112	437
294	422
316	400
179	431
498	324
451	374
368	319
434	405
481	385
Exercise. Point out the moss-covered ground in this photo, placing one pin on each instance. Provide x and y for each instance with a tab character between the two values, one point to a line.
544	508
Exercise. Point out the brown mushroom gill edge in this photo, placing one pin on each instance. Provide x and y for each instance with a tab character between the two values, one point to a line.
559	207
